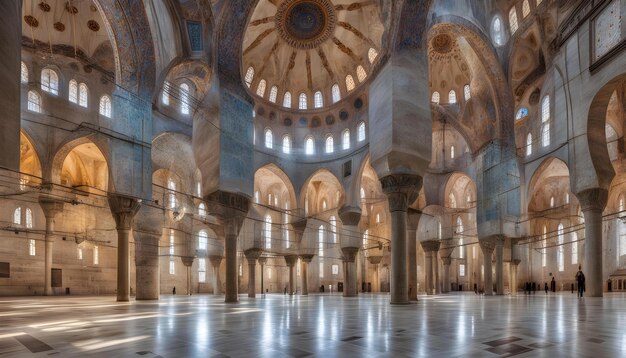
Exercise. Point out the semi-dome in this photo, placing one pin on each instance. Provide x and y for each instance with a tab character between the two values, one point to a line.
308	54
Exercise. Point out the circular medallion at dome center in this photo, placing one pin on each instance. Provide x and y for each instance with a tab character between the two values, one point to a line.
305	24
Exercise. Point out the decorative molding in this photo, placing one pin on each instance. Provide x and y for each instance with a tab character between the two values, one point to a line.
401	190
593	199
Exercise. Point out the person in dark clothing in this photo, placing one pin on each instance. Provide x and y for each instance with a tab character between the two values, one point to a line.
580	280
534	288
553	285
475	288
174	290
572	288
545	287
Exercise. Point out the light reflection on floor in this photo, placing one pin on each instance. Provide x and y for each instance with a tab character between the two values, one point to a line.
455	325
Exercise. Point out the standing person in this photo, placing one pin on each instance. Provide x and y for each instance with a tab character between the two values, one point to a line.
580	280
572	288
534	288
553	284
174	290
545	287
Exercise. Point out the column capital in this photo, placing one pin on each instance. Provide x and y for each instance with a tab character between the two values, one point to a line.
307	258
262	260
487	245
291	260
374	260
216	260
350	215
430	245
51	207
446	261
187	260
298	226
349	253
123	209
401	190
253	254
593	199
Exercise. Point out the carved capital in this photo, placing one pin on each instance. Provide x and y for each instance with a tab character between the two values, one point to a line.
374	260
187	260
430	245
262	260
123	209
350	215
401	190
307	258
291	260
487	245
298	228
593	199
51	207
216	261
252	255
224	203
446	261
349	253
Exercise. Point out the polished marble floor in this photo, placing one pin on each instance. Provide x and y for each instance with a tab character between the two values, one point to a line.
455	325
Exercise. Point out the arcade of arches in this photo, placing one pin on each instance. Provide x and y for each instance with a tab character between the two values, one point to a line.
392	151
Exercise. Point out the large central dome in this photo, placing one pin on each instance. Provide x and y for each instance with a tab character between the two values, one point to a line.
308	54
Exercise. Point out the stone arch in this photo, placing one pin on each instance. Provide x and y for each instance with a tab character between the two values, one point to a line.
173	151
87	154
460	184
274	170
319	178
30	160
552	171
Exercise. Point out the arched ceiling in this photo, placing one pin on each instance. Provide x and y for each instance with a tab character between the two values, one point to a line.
74	28
305	46
447	66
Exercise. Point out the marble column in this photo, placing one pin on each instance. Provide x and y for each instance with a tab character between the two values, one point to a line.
231	294
350	243
123	210
592	203
499	243
430	247
304	272
147	265
487	246
411	258
291	261
514	265
262	262
252	256
51	208
349	270
446	274
216	261
10	84
375	261
188	263
401	191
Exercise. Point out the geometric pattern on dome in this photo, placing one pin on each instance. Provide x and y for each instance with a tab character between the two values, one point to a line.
305	24
442	43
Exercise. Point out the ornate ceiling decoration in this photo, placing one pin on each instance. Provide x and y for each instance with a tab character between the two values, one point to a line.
305	24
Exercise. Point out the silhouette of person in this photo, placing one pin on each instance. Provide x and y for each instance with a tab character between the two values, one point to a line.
580	280
545	287
174	290
553	285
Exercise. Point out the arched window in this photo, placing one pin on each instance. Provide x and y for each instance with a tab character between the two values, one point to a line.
29	218
525	8
286	144
360	132
50	81
452	200
309	147
529	145
366	235
83	95
202	210
467	92
202	270
105	106
171	185
498	36
544	256
452	152
302	101
513	20
268	232
32	248
345	139
333	228
330	144
256	197
545	120
560	248
34	102
24	77
452	97
184	98
17	216
377	218
273	94
349	83
459	230
165	93
318	99
286	226
203	240
269	139
320	250
372	54
260	90
73	91
551	201
287	100
362	194
249	76
336	93
574	248
435	97
566	198
360	73
521	113
439	230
